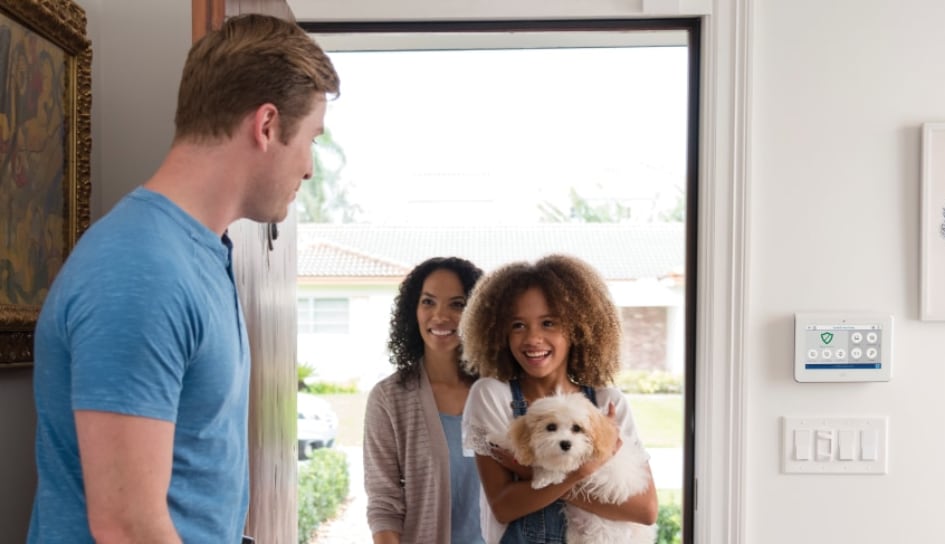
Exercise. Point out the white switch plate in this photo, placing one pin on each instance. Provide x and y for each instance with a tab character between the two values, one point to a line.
822	436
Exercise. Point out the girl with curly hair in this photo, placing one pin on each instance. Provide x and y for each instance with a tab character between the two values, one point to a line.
531	331
421	485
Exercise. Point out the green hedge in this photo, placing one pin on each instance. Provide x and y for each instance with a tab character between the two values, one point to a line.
669	522
649	381
323	486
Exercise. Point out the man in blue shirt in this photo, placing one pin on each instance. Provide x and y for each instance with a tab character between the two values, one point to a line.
142	362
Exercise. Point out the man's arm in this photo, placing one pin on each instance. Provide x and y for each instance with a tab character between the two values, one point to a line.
126	468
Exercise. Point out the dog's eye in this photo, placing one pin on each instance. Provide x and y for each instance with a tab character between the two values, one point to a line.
552	427
576	429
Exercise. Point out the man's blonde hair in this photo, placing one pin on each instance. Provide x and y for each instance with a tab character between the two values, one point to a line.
252	60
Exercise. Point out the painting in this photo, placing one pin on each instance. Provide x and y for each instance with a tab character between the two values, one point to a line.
932	226
45	144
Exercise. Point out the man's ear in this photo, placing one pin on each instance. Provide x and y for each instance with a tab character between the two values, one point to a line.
265	125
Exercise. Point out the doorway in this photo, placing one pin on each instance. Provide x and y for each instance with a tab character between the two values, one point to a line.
567	136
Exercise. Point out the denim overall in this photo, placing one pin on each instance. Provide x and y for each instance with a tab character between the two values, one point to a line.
546	526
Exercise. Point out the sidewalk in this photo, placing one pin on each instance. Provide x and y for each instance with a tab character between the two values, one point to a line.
350	527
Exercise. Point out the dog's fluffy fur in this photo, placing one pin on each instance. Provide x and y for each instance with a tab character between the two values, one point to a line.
556	436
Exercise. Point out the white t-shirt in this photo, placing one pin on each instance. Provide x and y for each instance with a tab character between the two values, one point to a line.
488	413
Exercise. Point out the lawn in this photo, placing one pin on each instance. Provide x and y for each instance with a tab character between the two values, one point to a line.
659	418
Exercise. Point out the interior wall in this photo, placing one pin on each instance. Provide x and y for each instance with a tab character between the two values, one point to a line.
17	466
839	91
138	51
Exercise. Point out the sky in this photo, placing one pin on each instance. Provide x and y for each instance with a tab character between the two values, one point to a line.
444	137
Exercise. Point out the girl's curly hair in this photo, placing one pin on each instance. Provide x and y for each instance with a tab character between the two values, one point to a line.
575	293
405	343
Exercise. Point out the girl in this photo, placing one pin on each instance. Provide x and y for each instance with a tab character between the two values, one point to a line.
532	330
421	488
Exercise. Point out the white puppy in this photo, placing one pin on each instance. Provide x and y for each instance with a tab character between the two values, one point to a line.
556	436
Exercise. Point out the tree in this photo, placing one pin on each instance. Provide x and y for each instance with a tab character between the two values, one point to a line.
582	211
324	197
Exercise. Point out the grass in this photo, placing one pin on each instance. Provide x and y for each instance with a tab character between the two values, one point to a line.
658	417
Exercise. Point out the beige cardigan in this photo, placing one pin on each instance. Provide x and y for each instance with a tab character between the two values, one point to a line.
404	442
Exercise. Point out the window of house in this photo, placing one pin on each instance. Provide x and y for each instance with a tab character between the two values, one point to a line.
323	315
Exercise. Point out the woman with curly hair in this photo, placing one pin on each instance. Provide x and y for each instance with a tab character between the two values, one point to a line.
421	486
531	331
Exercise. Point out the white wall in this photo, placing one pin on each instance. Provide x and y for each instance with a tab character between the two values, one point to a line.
839	91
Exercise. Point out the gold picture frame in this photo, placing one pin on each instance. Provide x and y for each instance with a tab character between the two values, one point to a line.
45	148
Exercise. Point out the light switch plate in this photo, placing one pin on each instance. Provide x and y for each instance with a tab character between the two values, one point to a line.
840	445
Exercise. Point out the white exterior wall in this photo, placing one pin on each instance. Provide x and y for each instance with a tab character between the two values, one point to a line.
360	356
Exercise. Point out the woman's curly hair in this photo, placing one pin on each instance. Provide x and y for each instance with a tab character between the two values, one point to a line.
405	343
575	293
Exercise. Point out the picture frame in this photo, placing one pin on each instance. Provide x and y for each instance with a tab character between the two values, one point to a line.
932	227
45	148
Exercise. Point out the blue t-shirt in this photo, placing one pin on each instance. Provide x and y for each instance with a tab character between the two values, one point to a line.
143	319
464	485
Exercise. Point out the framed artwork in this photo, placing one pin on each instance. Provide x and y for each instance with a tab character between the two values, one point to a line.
45	144
932	228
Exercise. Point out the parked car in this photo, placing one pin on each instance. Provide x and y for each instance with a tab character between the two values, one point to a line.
317	424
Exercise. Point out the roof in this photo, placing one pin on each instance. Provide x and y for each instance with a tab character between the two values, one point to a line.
618	251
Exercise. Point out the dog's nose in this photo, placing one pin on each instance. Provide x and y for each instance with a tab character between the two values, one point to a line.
565	445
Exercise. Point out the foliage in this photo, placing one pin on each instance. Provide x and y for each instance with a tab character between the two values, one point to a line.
649	381
328	388
678	213
304	372
582	211
323	198
669	520
307	384
323	486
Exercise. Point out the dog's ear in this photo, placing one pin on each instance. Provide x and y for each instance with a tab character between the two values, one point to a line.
603	432
520	432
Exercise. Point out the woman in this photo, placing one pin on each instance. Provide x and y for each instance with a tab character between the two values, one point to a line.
421	487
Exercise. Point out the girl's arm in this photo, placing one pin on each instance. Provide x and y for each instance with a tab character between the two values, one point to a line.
511	499
641	508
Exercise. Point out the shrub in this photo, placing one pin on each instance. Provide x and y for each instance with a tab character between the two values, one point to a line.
649	381
669	521
328	388
323	486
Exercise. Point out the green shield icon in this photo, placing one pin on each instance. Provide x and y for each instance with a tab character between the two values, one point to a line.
826	337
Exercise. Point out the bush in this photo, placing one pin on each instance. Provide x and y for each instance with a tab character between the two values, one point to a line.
649	382
307	384
323	486
328	388
669	521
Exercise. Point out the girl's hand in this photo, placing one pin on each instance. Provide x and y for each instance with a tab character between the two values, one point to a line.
507	460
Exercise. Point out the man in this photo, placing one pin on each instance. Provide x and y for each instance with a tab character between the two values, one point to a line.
142	361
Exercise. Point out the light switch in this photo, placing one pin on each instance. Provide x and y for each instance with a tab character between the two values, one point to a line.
824	441
834	445
846	439
802	445
869	444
